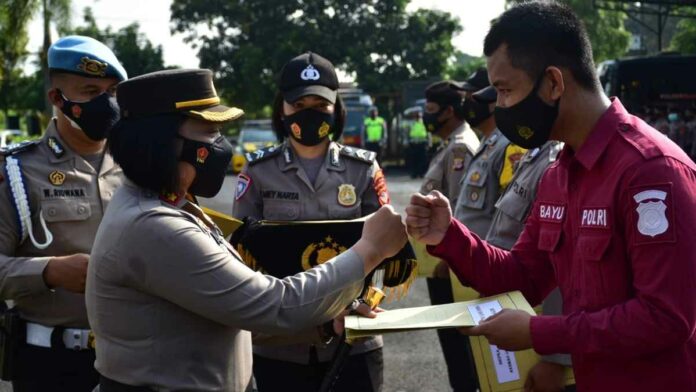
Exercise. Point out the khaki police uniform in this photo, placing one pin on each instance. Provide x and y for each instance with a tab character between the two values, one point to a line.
172	309
511	212
490	171
71	196
349	185
450	163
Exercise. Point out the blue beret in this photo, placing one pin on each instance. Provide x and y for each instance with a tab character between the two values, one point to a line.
85	56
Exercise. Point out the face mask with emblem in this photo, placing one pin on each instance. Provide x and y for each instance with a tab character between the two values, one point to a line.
309	127
431	122
475	112
528	123
95	118
210	161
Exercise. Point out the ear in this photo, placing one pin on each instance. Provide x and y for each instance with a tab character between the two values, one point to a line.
554	76
54	97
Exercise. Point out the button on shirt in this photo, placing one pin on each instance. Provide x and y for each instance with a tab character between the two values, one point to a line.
613	226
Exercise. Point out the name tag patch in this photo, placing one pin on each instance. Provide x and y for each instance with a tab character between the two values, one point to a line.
280	195
554	213
594	218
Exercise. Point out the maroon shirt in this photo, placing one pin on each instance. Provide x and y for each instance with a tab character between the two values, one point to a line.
614	226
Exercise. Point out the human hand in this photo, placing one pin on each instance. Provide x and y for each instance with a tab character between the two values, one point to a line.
428	217
67	272
507	329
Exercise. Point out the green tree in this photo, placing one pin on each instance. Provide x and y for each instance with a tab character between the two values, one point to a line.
132	48
605	28
376	40
464	65
53	12
15	16
684	40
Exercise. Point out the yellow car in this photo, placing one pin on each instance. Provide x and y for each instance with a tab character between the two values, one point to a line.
250	140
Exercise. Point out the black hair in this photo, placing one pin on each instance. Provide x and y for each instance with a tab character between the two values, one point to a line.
445	93
277	118
145	149
540	34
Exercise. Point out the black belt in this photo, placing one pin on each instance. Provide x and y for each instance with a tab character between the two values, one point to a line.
108	385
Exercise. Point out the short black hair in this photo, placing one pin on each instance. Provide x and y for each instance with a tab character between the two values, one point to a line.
145	149
540	34
277	118
445	94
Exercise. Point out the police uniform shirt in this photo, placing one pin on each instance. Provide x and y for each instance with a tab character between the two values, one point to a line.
514	204
275	186
450	163
489	173
72	196
172	309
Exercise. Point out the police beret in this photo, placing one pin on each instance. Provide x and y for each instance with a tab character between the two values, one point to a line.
187	91
308	74
85	56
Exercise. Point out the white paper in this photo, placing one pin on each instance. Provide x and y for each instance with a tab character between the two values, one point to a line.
504	361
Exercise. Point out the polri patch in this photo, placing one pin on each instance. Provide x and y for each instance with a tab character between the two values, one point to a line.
654	214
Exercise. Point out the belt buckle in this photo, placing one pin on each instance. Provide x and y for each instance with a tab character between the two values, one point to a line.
91	340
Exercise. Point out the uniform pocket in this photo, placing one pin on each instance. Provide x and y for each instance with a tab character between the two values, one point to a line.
550	237
340	212
591	247
474	185
281	210
68	210
514	206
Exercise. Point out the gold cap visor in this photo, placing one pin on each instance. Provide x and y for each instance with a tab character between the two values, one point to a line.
218	113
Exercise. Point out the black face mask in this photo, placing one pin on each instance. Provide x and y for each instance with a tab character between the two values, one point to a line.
475	112
210	160
430	120
95	117
529	122
309	127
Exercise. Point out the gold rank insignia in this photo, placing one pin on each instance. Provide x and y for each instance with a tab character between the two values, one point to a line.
92	67
346	195
475	176
57	178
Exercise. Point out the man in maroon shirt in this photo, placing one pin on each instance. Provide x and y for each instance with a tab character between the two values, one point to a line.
612	225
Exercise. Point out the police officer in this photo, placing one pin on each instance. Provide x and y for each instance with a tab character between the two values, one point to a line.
611	226
491	168
170	301
311	177
53	193
418	141
511	210
375	132
444	117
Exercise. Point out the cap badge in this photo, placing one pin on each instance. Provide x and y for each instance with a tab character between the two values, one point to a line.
346	195
309	73
93	67
201	155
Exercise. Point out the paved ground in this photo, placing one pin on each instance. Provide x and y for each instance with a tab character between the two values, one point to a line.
412	361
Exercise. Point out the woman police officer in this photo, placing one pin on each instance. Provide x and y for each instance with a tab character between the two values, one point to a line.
310	177
169	300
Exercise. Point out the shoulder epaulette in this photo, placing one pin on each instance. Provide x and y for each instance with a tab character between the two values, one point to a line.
359	154
262	154
18	147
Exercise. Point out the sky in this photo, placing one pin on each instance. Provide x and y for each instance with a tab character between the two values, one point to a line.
153	16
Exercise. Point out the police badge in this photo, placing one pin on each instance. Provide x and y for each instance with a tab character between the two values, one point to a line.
652	220
346	195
